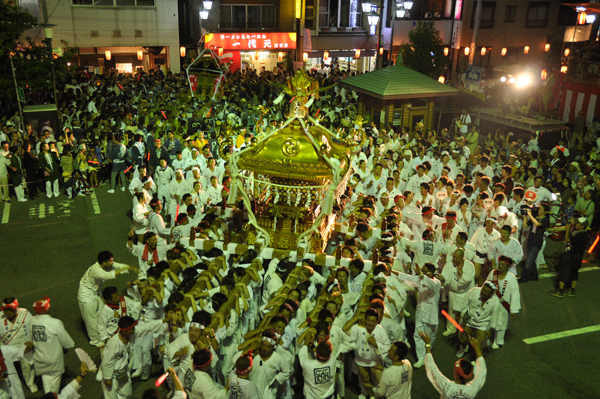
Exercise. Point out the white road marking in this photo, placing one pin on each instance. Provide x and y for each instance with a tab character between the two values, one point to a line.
95	203
42	211
50	210
583	269
32	211
563	334
6	213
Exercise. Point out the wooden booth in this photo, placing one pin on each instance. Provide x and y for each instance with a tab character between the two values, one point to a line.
397	96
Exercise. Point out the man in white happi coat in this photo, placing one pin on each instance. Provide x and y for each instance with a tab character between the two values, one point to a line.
481	240
148	254
426	317
116	372
463	371
10	385
90	290
370	341
71	390
163	175
178	354
426	251
116	306
421	221
269	370
177	188
50	339
15	330
508	246
156	223
459	276
318	369
507	291
199	383
480	304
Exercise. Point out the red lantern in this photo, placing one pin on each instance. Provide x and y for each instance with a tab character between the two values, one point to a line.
581	18
220	51
280	56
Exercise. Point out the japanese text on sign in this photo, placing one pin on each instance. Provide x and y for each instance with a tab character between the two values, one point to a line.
252	41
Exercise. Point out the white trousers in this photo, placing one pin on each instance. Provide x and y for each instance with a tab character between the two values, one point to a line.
89	312
431	330
51	382
122	391
28	373
142	354
50	187
20	192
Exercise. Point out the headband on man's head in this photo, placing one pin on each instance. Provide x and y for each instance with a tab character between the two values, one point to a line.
205	364
129	328
270	340
42	305
247	369
458	369
13	305
197	325
490	284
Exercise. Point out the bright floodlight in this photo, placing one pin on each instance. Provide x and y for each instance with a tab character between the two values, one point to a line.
512	80
503	79
523	81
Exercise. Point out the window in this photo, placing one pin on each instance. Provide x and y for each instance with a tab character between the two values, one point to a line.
487	15
350	13
247	17
114	3
537	15
324	13
511	11
309	14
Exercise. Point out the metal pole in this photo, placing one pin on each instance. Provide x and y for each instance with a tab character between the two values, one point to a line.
12	68
392	37
53	74
475	31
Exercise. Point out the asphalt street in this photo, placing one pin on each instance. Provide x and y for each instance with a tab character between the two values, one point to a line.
48	244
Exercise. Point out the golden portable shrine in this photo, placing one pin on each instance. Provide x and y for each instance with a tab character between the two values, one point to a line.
291	176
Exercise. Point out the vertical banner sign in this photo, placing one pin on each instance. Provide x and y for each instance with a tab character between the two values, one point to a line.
307	43
298	9
455	42
386	38
473	78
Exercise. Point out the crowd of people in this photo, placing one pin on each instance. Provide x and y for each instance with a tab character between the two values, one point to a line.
441	220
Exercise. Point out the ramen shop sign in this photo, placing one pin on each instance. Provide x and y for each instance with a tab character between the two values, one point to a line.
252	41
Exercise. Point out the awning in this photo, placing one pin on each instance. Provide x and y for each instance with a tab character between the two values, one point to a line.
518	121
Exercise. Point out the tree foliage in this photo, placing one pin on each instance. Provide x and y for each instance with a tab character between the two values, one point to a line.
32	61
424	40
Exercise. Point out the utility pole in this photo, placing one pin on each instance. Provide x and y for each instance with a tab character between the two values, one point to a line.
478	12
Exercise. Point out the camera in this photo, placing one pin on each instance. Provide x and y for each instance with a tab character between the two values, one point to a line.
533	208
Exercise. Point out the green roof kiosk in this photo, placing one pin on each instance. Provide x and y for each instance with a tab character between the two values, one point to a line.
398	96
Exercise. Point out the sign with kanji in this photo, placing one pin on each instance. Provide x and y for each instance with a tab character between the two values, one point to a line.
274	41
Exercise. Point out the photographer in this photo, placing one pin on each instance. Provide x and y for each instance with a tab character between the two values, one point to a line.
571	260
537	228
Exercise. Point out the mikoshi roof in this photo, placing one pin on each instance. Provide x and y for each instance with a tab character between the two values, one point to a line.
397	82
295	152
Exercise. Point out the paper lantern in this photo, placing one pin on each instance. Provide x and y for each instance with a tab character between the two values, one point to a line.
544	74
380	50
357	54
280	56
140	55
483	51
563	69
108	55
547	47
182	51
467	50
305	57
446	51
526	49
504	50
581	17
220	51
325	55
442	79
256	55
567	52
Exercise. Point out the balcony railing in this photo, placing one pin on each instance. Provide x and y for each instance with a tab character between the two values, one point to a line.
249	26
585	72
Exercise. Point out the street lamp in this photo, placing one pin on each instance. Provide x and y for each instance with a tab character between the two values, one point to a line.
49	35
206	6
408	5
373	18
366	7
400	13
